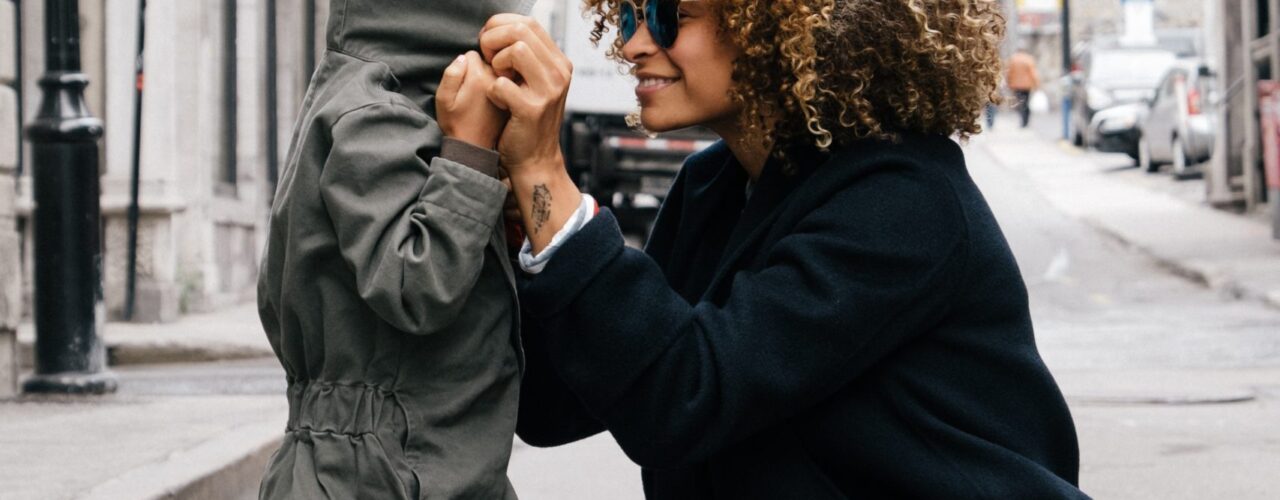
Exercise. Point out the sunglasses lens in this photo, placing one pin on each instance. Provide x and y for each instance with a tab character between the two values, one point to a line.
628	21
663	17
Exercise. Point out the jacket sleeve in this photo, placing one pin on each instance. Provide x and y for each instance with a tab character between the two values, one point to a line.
677	382
413	233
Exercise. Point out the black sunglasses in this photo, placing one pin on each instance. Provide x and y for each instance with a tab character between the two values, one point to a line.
661	16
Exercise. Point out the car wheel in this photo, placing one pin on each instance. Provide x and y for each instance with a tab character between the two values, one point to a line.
1179	157
1144	156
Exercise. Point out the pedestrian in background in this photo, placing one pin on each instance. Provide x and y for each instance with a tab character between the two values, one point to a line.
1022	79
827	307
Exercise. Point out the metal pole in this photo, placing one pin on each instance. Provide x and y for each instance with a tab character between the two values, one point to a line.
131	285
17	86
1252	139
69	354
1272	179
272	102
1066	69
229	95
309	45
19	83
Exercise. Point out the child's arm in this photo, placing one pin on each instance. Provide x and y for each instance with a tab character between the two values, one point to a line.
414	234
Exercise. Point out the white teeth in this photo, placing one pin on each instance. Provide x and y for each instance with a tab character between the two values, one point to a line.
654	82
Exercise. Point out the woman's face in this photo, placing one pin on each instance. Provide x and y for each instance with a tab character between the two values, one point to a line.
689	83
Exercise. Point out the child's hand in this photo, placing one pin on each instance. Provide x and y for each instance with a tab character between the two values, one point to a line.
462	108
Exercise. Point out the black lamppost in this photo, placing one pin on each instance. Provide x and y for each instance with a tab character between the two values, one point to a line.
69	354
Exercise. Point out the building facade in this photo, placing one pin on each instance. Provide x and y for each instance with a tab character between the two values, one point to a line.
1239	40
1244	44
10	147
223	81
1040	31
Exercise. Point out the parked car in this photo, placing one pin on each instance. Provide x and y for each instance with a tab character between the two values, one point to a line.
1179	129
1118	129
1107	77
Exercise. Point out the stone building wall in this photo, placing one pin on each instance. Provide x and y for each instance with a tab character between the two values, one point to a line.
203	203
1091	18
10	270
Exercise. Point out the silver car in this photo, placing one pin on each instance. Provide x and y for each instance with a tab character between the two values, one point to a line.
1179	128
1110	77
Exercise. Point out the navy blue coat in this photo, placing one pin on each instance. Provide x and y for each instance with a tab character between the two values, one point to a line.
858	328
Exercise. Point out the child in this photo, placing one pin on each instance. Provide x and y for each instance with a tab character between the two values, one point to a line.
385	290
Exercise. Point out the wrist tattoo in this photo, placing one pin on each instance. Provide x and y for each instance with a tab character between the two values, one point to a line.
541	206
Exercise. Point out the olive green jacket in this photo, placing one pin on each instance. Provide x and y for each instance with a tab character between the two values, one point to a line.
385	290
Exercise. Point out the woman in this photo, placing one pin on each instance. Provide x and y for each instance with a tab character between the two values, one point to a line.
826	307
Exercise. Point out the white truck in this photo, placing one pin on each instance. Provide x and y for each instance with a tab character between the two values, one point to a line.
623	169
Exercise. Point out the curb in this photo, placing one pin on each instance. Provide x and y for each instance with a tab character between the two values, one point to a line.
1206	277
229	466
1202	275
160	352
151	353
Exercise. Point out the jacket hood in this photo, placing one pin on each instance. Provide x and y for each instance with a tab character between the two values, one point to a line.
417	39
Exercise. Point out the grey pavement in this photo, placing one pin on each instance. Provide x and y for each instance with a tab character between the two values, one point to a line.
1227	252
594	468
196	431
1172	372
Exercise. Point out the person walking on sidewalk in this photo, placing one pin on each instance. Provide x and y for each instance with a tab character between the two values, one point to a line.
386	290
827	307
1023	79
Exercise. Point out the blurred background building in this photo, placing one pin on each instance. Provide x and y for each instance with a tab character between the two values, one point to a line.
1245	44
1233	43
222	84
10	129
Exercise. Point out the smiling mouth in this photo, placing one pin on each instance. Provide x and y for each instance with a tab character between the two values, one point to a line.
654	83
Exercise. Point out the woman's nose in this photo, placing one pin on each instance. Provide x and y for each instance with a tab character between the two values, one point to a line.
640	46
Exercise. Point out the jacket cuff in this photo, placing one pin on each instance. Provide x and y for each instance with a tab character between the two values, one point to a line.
464	191
482	160
577	263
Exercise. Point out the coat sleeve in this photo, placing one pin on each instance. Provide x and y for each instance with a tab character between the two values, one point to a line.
413	233
677	382
550	414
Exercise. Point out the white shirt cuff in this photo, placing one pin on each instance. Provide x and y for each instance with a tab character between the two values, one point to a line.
533	264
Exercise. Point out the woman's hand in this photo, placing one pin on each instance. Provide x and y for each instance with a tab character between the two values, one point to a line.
532	85
463	109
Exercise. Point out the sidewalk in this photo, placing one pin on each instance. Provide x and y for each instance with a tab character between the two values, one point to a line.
1226	252
191	428
233	333
123	448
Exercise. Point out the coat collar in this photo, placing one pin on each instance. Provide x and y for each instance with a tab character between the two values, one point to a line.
715	180
773	187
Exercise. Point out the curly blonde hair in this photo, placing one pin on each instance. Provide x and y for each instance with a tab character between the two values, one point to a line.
833	71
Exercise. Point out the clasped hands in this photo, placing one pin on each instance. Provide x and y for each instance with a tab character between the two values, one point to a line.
510	97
